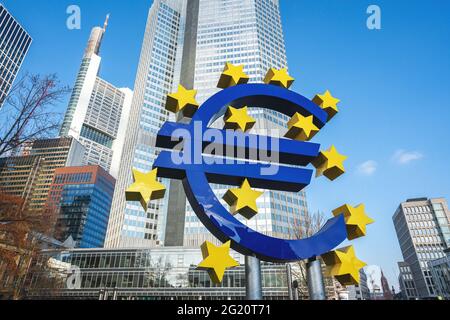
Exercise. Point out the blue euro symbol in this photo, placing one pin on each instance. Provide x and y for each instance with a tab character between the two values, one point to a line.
196	177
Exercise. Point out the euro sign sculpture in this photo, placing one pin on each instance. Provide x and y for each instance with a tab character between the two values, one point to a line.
198	163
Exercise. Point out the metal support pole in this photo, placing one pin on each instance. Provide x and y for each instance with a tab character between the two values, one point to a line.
289	281
295	287
316	287
253	286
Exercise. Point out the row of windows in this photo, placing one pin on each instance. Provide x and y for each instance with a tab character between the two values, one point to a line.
73	177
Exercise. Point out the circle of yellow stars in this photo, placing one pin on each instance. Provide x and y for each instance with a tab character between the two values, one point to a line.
341	263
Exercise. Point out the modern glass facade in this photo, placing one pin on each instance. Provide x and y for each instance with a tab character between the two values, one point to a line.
147	274
200	40
97	113
14	45
422	227
440	270
158	74
82	198
244	32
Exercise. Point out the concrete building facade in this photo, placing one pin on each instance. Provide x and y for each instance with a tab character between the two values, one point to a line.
30	176
423	232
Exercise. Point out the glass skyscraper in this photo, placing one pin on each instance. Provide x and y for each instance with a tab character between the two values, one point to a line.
158	74
247	32
14	45
188	42
82	197
97	114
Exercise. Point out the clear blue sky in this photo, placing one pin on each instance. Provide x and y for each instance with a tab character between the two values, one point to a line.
394	85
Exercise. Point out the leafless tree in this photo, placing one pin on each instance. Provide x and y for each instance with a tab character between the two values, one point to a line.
20	232
304	227
29	111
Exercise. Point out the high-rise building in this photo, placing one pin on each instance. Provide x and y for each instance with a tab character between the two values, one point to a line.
14	45
158	75
423	231
82	198
249	33
30	176
97	114
189	42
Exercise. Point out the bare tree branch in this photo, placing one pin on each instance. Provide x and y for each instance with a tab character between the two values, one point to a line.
29	111
301	228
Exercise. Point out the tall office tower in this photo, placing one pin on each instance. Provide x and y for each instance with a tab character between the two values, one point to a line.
244	32
188	42
82	198
158	74
30	176
98	112
423	231
14	45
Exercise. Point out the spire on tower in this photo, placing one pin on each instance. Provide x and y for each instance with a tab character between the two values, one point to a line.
106	22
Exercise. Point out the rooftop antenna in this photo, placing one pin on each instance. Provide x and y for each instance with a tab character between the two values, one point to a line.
106	22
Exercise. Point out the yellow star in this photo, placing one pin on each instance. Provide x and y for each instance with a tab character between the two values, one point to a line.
216	259
328	103
301	128
343	265
182	100
243	200
232	75
145	188
330	163
279	77
356	220
238	119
